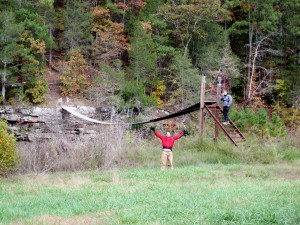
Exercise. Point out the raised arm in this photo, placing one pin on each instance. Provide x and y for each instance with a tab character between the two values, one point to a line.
178	136
158	134
184	133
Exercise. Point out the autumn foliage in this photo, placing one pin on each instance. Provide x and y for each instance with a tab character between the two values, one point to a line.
110	42
7	149
74	79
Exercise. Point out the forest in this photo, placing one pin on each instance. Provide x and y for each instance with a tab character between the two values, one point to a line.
141	53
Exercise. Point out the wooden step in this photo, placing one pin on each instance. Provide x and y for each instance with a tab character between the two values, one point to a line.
232	132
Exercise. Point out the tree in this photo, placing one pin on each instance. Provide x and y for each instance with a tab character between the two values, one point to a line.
256	24
186	19
23	45
78	26
110	43
9	32
74	79
143	57
46	11
185	79
290	46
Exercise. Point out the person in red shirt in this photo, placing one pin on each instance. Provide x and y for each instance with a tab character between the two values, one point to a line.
167	145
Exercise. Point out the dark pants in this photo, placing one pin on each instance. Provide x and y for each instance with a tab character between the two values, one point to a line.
225	113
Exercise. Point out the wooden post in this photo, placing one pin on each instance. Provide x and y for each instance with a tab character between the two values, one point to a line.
202	99
219	83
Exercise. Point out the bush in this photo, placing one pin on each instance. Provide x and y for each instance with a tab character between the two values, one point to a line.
74	79
257	121
37	93
7	149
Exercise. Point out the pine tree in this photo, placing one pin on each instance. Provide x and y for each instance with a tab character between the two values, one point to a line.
143	57
9	33
186	78
78	26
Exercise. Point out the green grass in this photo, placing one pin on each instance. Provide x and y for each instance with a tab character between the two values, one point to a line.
204	194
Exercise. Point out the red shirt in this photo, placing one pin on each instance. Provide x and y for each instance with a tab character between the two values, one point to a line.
167	142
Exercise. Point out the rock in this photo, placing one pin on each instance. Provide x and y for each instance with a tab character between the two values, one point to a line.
36	123
25	112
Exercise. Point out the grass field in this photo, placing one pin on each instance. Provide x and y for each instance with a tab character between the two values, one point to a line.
204	194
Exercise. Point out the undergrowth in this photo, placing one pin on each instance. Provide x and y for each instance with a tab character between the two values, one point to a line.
129	149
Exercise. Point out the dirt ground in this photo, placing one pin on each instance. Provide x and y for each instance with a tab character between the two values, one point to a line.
54	95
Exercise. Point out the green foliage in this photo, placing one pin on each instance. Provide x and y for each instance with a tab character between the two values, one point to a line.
290	115
34	22
135	95
282	88
277	127
258	122
151	8
251	21
186	18
25	38
78	27
7	149
186	79
9	49
262	119
265	15
143	57
160	32
208	50
272	150
37	93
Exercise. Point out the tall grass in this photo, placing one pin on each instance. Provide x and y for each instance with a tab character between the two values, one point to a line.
119	147
252	151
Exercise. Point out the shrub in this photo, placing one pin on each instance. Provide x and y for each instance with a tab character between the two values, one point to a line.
258	122
37	93
74	79
7	149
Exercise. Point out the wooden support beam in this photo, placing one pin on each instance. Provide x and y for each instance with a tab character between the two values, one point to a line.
219	84
201	113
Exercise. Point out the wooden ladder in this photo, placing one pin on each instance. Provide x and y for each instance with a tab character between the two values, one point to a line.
231	130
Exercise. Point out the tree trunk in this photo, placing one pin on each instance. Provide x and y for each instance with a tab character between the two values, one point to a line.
50	50
251	27
249	71
4	82
250	80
